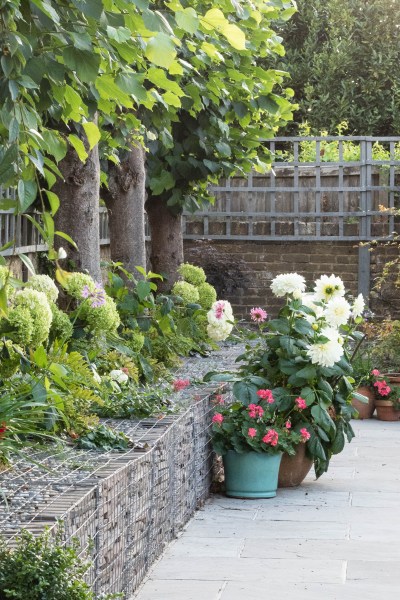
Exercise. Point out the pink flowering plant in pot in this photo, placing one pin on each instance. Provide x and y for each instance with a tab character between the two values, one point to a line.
253	427
303	357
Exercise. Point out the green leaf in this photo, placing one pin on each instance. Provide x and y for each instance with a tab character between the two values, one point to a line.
143	289
27	191
132	83
53	201
338	442
323	419
302	326
303	375
108	88
85	63
187	20
245	391
269	104
315	447
78	146
7	161
234	35
40	357
13	130
92	133
65	236
90	8
28	263
161	50
279	325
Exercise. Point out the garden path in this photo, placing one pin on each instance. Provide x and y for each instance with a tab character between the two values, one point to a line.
331	539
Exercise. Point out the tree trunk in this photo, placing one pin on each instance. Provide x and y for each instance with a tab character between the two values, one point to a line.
166	241
78	215
124	199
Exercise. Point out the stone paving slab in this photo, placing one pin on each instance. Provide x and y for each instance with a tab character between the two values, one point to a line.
332	539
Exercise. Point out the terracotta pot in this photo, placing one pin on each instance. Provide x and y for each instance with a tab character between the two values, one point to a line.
294	469
385	411
392	377
364	410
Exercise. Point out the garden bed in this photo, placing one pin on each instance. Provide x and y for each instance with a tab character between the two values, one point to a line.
123	507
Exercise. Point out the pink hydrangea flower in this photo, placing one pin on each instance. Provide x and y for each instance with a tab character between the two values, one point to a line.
180	384
258	315
255	410
271	437
375	372
305	435
266	395
219	309
383	388
217	418
288	425
301	403
252	432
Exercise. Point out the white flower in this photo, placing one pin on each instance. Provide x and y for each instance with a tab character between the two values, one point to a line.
325	354
328	287
119	376
219	332
95	374
288	283
358	306
337	312
61	253
221	311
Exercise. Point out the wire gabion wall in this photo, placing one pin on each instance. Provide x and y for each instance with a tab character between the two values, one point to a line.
125	522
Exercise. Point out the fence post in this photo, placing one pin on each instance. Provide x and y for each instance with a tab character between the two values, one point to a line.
364	257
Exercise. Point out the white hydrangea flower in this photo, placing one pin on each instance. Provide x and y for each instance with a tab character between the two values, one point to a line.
325	354
220	311
288	283
337	312
358	306
328	287
119	376
220	332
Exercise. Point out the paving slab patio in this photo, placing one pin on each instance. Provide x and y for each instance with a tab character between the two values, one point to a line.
332	539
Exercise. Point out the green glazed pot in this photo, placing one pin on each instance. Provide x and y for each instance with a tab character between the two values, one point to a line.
251	474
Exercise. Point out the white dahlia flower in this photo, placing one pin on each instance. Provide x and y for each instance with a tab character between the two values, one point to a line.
328	287
358	306
288	283
337	312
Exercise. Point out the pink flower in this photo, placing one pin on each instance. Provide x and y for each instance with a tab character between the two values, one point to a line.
271	437
252	432
375	372
266	395
255	410
219	309
180	384
383	388
218	399
288	425
305	435
301	403
258	315
217	418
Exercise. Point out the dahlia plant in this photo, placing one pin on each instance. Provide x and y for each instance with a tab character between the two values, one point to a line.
303	359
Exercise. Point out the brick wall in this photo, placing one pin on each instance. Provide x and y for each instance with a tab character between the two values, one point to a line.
242	271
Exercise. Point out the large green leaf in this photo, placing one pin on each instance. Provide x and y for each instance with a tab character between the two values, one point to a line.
187	20
85	63
245	392
27	191
323	419
161	50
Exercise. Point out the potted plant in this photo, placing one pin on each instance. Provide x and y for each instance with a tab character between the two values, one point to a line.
387	399
304	358
365	376
251	438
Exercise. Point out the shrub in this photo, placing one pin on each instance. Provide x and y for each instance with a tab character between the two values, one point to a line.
207	295
192	274
186	291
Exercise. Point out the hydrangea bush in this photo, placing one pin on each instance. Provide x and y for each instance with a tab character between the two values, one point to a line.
303	357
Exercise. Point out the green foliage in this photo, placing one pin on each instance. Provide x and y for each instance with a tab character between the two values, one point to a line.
103	438
139	403
333	75
43	567
385	346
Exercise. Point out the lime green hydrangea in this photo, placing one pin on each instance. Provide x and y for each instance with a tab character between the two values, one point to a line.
192	274
136	341
44	283
5	273
21	321
207	295
39	308
61	326
10	359
103	319
186	291
76	282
